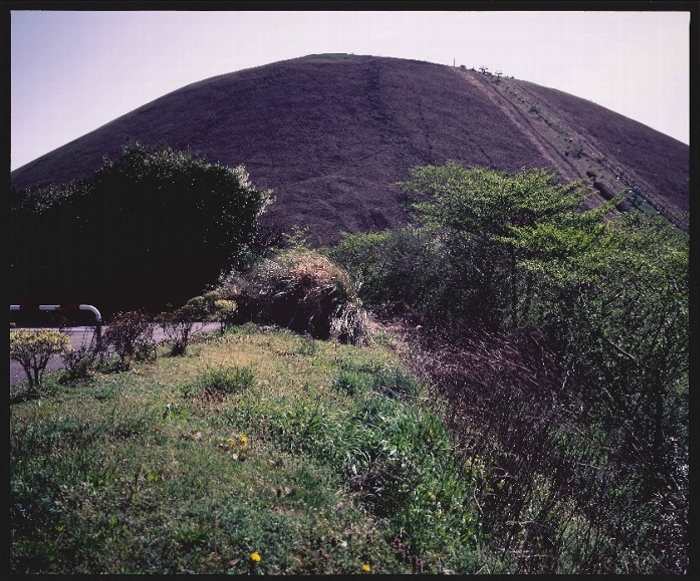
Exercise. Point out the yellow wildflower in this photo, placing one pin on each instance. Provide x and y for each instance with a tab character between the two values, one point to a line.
255	557
366	568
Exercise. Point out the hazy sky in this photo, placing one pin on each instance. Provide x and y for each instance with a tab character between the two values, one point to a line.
72	72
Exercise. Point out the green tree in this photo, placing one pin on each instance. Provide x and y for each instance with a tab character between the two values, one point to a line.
615	296
454	261
33	350
608	293
470	209
155	226
395	269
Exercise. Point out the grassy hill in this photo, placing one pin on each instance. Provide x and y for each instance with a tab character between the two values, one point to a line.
332	134
316	457
266	452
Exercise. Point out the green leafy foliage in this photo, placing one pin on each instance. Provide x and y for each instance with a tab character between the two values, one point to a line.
469	210
395	269
615	297
156	226
454	262
33	349
519	287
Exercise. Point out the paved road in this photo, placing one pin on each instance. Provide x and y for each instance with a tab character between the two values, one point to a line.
80	336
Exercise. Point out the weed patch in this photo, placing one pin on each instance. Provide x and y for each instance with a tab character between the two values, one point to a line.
277	476
217	383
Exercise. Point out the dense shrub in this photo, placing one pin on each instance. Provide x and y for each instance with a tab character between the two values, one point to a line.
396	270
130	335
560	337
33	349
154	227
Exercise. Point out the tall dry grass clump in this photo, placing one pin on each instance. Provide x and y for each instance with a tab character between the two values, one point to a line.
301	290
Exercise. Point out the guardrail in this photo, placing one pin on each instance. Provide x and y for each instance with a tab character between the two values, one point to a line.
93	310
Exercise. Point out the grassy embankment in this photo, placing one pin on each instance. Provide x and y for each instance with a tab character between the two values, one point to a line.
316	456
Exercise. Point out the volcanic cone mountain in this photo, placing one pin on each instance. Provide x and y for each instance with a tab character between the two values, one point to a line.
332	134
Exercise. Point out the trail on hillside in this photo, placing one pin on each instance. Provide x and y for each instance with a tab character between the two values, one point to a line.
540	141
574	153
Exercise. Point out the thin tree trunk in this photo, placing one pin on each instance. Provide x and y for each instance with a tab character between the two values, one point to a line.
513	290
658	428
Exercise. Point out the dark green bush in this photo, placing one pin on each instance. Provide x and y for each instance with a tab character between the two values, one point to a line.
130	335
154	227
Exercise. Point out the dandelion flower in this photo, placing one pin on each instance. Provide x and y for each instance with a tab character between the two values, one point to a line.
243	438
366	568
255	557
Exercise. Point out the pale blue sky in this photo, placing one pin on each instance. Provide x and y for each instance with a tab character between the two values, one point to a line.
72	72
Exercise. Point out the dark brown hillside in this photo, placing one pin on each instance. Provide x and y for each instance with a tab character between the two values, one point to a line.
331	134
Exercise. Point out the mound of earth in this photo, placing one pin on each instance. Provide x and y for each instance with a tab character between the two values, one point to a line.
332	134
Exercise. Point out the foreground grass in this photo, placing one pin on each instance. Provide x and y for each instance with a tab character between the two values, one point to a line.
315	457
